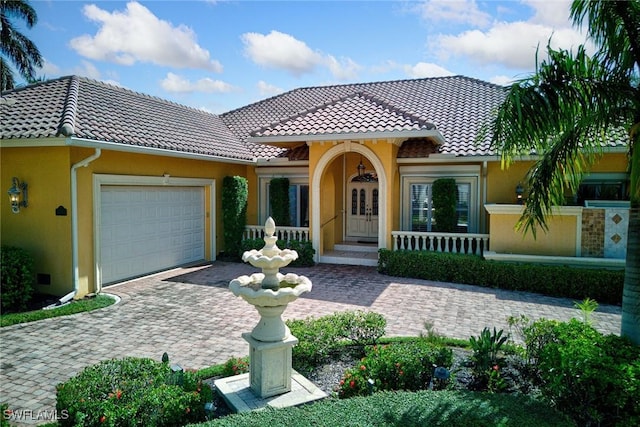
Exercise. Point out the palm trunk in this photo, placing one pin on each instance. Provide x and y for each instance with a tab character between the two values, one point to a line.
631	294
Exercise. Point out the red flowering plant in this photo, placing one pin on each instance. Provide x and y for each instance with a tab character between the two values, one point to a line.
487	360
405	366
236	366
115	392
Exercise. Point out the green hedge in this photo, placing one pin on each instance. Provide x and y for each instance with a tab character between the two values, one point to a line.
304	249
604	286
235	190
16	278
279	201
591	377
445	200
424	408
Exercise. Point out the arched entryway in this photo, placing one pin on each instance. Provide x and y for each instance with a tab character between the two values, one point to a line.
318	179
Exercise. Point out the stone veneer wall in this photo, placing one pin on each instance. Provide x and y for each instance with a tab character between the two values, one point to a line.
593	233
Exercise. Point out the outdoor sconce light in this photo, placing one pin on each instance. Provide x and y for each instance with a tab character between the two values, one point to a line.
361	168
519	193
15	191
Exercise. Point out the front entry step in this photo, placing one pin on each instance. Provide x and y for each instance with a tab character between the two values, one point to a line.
348	253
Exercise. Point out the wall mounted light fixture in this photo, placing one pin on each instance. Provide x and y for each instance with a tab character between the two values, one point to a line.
18	191
361	168
519	193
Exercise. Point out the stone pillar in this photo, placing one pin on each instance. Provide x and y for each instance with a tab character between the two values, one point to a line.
270	365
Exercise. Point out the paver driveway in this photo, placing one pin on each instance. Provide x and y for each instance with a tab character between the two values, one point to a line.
191	314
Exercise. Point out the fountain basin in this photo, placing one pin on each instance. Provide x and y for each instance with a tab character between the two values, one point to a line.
270	303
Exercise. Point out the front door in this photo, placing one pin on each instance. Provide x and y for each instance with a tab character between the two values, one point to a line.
362	218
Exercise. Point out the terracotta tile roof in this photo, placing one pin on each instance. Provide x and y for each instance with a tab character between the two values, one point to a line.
457	106
354	113
96	111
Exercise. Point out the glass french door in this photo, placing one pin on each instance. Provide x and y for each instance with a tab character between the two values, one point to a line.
362	215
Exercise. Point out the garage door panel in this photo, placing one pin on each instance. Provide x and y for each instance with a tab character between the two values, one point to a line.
145	229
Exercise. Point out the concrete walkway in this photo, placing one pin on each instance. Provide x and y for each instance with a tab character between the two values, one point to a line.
191	314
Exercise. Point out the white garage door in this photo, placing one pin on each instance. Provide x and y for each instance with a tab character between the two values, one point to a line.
145	229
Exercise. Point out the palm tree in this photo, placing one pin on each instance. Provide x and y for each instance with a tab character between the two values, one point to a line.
15	47
566	112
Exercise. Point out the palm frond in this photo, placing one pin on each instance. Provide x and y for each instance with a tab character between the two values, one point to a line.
564	113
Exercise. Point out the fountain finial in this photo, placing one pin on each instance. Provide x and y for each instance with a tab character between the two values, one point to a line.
269	227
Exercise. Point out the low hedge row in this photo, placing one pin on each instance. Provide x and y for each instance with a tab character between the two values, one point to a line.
604	286
423	408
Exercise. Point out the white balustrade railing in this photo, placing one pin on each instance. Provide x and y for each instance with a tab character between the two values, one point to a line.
457	243
284	233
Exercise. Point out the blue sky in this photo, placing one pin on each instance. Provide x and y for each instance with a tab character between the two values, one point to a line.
221	55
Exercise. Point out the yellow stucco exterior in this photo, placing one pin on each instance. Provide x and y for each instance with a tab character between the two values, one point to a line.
46	232
47	236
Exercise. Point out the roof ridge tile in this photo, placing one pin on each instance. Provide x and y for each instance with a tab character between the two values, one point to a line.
67	123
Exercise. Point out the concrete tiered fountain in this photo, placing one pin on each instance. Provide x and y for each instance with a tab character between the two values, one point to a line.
271	379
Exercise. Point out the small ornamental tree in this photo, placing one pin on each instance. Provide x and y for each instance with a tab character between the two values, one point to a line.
445	199
279	201
234	212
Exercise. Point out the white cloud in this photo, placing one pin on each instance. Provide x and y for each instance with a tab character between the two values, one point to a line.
343	70
87	69
282	51
137	35
177	84
267	89
502	80
49	69
453	11
424	69
511	44
554	14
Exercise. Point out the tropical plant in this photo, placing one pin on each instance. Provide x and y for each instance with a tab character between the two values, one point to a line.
15	47
568	111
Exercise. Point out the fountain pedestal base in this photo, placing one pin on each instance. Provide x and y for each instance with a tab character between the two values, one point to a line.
270	365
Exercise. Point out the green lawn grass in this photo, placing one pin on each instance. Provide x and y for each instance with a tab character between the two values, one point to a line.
73	307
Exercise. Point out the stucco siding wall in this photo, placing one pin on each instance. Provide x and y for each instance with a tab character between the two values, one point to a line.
37	228
559	240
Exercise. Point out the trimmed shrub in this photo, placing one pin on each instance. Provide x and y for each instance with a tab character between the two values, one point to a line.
320	337
424	408
132	392
445	200
593	378
235	191
604	286
402	366
279	201
16	279
305	250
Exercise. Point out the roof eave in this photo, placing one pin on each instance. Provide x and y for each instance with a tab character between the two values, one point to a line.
422	133
81	142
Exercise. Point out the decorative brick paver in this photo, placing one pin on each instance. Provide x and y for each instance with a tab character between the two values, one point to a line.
191	314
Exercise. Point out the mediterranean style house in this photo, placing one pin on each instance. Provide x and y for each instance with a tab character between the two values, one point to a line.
107	184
